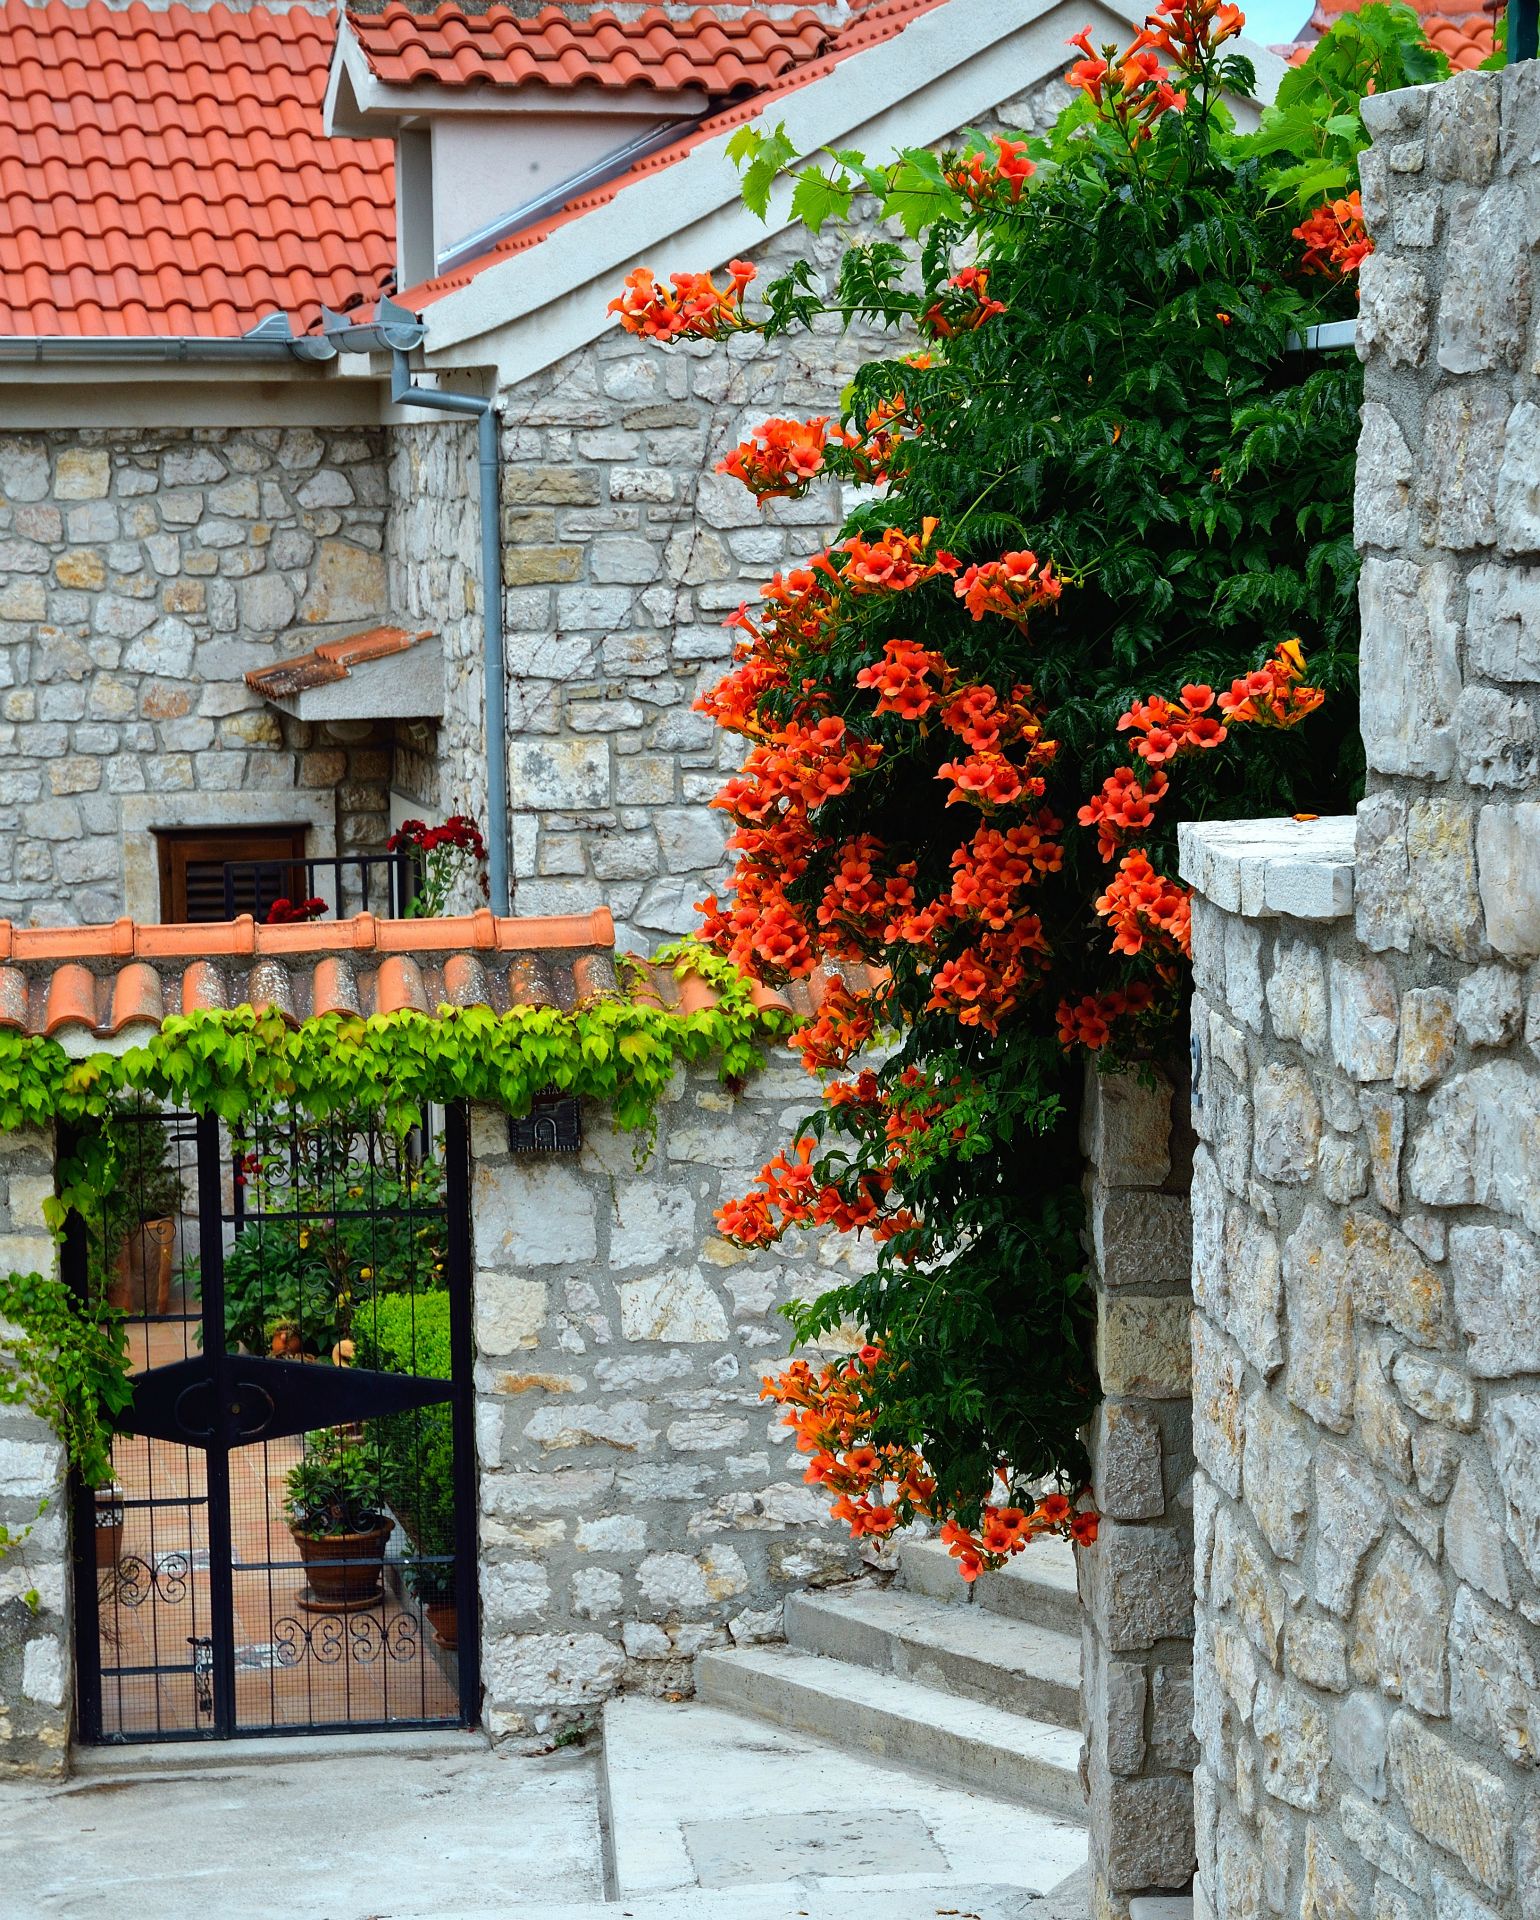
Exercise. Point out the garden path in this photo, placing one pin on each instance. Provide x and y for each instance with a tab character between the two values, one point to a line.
437	1827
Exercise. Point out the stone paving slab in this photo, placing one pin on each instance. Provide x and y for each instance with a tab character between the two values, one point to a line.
1069	1901
700	1797
346	1836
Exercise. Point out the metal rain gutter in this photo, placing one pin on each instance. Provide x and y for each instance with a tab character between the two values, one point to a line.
396	331
272	339
1330	333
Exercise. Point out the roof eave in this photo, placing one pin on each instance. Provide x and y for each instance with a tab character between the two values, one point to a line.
359	105
947	68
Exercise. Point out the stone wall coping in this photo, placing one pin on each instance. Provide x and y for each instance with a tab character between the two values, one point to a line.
1264	868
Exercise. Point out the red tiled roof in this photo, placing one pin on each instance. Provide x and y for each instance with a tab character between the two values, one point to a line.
875	23
1463	34
94	982
1464	42
721	53
333	660
165	171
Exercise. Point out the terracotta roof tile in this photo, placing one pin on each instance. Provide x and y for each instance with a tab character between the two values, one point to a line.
96	984
721	53
333	660
103	980
869	27
164	170
1463	34
1464	42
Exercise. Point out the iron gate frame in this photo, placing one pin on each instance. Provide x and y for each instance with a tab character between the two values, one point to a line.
217	1367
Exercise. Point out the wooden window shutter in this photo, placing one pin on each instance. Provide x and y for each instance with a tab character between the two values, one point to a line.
211	873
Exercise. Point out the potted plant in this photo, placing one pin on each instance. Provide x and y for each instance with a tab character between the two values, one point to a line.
139	1213
109	1526
335	1506
402	1334
326	1231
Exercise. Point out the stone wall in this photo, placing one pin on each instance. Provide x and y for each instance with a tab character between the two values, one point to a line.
638	1500
1136	1659
432	551
623	552
1367	1333
35	1657
142	574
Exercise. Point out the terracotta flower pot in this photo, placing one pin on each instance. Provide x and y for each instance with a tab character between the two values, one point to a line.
109	1527
142	1271
444	1618
344	1569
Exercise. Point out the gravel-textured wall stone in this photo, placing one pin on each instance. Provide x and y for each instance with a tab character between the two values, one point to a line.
142	574
1366	1396
638	1500
1136	1629
432	552
35	1657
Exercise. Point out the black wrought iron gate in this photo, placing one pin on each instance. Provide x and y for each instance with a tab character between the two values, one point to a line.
289	1544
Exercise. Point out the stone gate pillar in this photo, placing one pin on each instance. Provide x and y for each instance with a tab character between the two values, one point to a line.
1136	1583
1366	1207
35	1664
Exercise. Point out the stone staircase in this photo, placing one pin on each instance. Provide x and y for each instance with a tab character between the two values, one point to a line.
976	1687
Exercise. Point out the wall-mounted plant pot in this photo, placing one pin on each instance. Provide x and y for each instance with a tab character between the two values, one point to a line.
141	1281
344	1569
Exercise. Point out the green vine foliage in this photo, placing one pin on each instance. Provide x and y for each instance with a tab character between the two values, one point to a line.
616	1051
65	1358
67	1364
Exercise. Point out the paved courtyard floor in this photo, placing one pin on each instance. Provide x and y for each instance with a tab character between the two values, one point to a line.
437	1827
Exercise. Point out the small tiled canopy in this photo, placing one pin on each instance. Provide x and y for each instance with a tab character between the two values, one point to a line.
106	986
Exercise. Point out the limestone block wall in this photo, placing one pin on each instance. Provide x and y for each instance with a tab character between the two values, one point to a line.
1136	1633
1365	1201
623	552
432	554
638	1500
142	574
35	1661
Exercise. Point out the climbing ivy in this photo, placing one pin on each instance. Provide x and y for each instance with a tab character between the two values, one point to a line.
619	1051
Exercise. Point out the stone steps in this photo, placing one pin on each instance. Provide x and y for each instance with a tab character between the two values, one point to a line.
963	1651
1037	1587
698	1796
901	1721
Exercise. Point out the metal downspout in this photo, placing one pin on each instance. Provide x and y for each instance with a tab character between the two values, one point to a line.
403	393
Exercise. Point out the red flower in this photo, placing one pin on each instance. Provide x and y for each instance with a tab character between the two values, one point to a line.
697	309
288	913
984	180
782	458
1335	240
1015	585
963	305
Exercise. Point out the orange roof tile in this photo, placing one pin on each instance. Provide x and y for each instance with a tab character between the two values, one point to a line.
333	660
872	24
722	53
105	979
1463	34
1465	42
84	983
164	170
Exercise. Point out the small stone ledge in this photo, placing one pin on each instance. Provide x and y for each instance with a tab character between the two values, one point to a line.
1261	868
